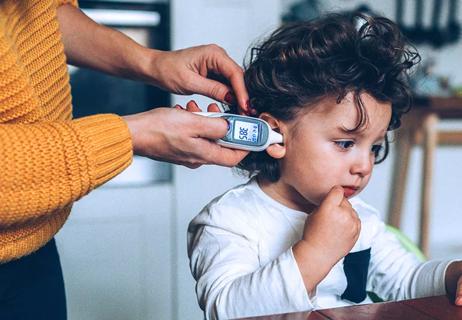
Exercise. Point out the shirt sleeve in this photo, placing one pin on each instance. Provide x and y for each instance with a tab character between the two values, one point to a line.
49	165
397	274
231	282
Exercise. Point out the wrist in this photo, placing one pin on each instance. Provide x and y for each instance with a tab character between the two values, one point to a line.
147	132
145	65
313	262
135	61
131	122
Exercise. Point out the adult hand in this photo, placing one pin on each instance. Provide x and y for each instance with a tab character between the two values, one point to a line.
187	71
178	136
195	70
192	106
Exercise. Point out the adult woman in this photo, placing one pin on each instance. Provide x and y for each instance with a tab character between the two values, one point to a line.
49	160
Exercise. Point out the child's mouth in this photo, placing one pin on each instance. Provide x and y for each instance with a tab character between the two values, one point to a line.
348	191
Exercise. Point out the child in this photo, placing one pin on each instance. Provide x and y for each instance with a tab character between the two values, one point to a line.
296	237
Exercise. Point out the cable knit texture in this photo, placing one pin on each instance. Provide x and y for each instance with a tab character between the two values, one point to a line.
48	160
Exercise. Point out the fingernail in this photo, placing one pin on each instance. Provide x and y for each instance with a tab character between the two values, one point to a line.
250	109
229	98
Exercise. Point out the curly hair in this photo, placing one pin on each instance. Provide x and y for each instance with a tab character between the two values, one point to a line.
302	63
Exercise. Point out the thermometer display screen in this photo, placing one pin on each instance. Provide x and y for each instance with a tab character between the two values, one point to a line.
246	131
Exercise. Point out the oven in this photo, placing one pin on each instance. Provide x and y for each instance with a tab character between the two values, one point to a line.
147	22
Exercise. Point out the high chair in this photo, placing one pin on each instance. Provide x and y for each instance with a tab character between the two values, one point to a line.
420	126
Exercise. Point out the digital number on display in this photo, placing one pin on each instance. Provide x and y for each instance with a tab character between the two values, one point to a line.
245	131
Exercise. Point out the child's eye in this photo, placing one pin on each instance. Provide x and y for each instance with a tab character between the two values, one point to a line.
345	144
376	149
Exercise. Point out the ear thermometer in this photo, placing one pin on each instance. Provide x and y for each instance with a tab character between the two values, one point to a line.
245	133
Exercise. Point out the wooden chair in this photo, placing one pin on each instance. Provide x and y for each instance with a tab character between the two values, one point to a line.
420	126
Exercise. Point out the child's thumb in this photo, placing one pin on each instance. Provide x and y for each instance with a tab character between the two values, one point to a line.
334	198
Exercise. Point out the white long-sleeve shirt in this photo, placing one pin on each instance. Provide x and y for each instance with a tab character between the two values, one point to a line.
240	250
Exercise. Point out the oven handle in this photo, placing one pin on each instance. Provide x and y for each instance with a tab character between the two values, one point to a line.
124	18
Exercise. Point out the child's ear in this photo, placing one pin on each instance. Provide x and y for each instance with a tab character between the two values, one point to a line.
275	150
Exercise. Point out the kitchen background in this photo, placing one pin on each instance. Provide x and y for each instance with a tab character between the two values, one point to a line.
124	248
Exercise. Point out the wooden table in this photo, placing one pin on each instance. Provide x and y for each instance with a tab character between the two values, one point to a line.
432	308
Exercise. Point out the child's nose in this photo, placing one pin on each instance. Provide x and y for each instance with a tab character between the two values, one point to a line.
362	165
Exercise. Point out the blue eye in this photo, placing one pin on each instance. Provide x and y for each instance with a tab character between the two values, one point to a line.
376	149
345	144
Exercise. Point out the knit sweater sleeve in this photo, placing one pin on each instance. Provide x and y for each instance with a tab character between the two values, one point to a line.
73	2
48	165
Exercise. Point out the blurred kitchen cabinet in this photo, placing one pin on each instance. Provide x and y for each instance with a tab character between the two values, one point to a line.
116	253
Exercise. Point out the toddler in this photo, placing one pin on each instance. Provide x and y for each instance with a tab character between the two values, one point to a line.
296	236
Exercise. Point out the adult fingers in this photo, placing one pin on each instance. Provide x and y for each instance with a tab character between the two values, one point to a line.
235	75
192	106
213	107
223	71
190	166
210	88
222	156
229	157
210	128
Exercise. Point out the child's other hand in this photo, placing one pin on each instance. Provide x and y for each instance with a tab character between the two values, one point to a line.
458	297
453	281
330	233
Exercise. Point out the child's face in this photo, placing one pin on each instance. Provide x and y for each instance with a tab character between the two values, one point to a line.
321	154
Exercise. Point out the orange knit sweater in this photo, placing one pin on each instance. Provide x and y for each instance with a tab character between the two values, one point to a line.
47	160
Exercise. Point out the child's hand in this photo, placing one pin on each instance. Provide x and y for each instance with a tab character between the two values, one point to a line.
453	281
458	296
334	227
330	233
